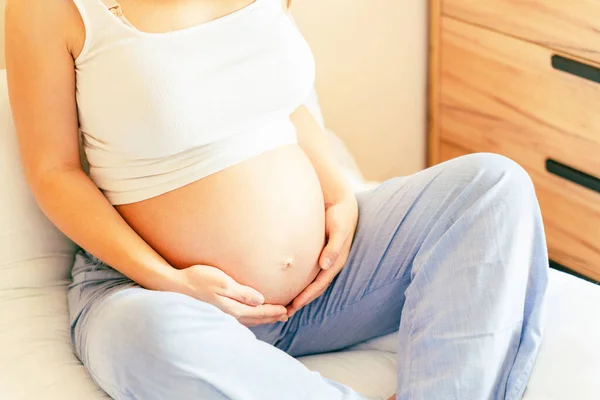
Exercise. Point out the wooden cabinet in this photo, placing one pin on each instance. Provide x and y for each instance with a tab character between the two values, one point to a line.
571	26
507	77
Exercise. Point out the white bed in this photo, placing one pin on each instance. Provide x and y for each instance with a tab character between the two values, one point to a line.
37	362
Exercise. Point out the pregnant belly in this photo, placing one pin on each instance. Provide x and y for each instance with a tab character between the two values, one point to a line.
261	221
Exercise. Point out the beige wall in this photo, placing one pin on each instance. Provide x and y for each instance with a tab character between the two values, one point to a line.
371	71
371	75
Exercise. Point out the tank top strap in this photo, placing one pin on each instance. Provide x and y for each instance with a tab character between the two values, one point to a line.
115	8
104	25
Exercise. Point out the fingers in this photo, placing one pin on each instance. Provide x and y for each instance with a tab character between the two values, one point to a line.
262	312
335	244
270	317
247	305
312	291
242	302
265	321
243	294
242	311
337	250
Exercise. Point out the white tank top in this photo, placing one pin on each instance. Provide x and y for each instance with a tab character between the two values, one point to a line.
158	111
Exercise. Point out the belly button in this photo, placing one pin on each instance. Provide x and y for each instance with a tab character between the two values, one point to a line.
287	264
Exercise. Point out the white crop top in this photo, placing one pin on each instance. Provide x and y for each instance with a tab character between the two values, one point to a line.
158	111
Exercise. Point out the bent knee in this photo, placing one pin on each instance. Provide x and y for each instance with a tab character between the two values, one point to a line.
490	169
154	333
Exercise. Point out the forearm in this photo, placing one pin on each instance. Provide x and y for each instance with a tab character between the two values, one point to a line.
77	207
313	141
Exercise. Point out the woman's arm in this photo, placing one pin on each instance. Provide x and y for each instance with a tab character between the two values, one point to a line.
341	209
313	141
41	81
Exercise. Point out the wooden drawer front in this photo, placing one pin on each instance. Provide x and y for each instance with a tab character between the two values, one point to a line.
499	94
496	87
571	216
570	26
572	225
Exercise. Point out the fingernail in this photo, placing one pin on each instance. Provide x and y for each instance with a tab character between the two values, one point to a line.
326	263
283	319
258	300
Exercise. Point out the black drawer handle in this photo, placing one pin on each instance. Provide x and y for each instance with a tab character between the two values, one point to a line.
573	175
576	68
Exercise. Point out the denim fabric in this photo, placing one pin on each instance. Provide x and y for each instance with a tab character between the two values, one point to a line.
453	256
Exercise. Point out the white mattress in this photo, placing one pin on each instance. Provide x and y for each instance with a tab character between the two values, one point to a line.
36	360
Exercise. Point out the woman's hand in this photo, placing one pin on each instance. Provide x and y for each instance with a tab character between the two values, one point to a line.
211	285
341	218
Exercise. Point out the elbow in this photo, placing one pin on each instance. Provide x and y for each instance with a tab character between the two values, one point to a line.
42	180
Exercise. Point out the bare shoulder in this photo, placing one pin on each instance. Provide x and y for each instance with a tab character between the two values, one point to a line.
40	38
46	22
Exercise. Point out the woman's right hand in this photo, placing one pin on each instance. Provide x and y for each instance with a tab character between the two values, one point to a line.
213	286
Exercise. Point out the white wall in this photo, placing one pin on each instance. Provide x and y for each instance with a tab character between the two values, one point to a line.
371	73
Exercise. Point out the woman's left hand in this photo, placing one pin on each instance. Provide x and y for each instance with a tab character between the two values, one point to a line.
341	218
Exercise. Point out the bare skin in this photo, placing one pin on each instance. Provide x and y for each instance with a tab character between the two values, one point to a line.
261	222
272	245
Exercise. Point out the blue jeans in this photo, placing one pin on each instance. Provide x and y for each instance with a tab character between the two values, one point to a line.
453	256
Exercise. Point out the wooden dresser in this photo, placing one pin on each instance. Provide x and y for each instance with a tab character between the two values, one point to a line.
522	78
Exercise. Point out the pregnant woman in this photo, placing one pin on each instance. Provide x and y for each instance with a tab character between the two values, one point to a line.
218	237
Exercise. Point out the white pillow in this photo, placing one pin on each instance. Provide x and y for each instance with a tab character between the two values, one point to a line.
33	253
